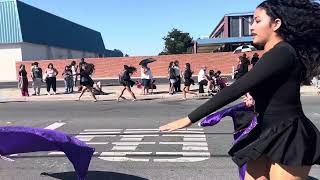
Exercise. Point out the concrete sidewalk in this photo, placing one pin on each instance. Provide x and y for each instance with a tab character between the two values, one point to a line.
14	95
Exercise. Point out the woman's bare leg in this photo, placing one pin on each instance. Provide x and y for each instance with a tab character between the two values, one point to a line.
132	94
278	171
185	93
258	169
82	91
122	91
94	96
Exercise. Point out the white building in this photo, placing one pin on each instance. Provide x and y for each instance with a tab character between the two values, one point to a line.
30	34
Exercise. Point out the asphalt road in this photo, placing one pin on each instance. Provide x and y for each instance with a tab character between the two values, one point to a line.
190	154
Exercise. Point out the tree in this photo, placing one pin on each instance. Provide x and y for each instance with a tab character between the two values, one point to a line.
177	42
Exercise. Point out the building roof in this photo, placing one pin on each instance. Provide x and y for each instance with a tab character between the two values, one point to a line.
231	15
224	40
240	14
25	23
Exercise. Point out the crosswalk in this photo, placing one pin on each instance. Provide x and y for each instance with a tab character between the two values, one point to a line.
125	142
141	145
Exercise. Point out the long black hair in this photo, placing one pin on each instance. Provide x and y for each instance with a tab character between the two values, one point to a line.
300	27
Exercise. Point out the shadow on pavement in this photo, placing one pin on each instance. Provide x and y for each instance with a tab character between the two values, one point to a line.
94	175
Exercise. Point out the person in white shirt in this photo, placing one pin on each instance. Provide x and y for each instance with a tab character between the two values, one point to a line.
146	77
202	79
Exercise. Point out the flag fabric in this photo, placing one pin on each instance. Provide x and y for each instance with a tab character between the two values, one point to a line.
244	120
15	140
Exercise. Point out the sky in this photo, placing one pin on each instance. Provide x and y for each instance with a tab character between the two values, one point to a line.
137	27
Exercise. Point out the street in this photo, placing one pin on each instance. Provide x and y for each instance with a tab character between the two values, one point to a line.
128	144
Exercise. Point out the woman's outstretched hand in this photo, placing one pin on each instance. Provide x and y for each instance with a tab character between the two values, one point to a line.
178	124
248	99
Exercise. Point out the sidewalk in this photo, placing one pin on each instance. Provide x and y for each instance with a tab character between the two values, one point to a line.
14	95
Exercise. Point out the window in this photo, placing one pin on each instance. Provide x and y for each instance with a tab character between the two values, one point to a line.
245	26
234	27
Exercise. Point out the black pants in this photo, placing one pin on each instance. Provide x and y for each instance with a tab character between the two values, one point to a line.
201	84
177	85
51	82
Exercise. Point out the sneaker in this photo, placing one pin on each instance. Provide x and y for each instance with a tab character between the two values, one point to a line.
34	94
54	93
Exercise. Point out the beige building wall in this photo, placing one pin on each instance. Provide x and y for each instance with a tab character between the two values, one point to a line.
9	54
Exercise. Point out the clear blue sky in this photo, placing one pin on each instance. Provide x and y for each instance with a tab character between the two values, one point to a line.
137	27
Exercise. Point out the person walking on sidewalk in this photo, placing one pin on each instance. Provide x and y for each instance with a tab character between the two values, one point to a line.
178	75
36	75
146	77
188	81
23	80
68	80
285	143
74	69
51	78
126	81
86	81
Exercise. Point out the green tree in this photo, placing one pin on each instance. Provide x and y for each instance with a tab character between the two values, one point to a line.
177	42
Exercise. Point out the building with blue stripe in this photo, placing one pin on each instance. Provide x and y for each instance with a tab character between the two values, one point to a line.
31	34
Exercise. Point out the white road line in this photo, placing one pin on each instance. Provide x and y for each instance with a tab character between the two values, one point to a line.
193	154
134	132
189	132
195	129
121	159
138	136
185	135
62	153
182	159
131	143
84	133
142	129
98	130
97	143
55	126
194	139
88	136
131	139
124	153
194	148
186	143
85	139
124	148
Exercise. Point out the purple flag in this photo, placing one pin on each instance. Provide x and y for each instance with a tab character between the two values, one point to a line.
244	121
15	140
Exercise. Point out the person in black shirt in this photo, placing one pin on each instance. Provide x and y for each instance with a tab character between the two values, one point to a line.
86	81
187	75
23	80
255	59
36	75
126	81
285	143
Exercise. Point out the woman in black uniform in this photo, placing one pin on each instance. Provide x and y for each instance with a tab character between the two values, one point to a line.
86	81
126	81
188	81
285	143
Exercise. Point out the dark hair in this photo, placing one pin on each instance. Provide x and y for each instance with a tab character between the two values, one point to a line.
130	69
188	66
89	67
170	64
50	64
300	28
73	63
22	65
176	62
